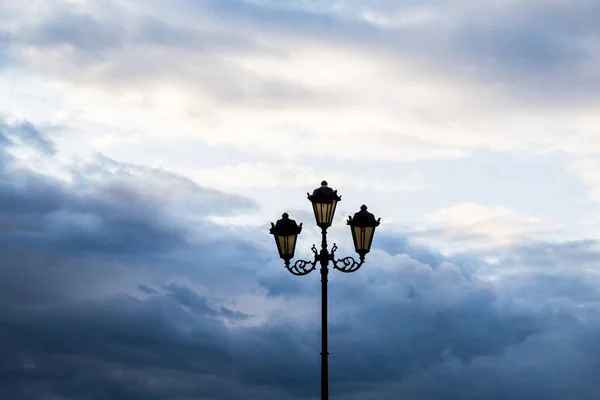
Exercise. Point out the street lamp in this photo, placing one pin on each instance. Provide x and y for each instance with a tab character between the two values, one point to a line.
286	231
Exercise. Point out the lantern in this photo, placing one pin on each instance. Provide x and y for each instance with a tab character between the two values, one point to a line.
324	199
286	232
363	227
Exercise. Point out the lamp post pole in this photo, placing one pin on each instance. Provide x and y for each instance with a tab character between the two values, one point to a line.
324	257
286	231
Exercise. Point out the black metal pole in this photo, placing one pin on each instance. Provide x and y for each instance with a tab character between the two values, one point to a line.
324	259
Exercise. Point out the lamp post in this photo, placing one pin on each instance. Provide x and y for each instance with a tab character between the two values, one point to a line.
286	231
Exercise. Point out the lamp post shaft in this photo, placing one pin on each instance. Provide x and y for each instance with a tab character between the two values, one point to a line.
324	259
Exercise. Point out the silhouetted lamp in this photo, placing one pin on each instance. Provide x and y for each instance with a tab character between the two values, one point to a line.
286	232
324	199
363	227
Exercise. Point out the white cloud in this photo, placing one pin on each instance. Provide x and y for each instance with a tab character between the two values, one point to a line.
588	169
476	226
390	88
358	102
289	175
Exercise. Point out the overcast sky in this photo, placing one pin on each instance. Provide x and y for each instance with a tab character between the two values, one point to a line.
145	147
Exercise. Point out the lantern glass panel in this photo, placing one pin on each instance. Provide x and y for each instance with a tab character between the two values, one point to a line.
286	245
363	236
324	212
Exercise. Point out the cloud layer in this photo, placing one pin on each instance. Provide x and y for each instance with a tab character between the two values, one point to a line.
112	297
143	150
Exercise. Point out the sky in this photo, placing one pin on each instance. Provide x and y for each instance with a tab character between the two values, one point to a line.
145	148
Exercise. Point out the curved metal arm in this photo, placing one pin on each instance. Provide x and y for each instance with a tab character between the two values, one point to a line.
349	264
302	267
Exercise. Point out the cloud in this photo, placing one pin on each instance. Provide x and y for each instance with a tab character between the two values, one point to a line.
115	282
60	231
205	312
4	54
268	175
472	225
25	133
529	46
77	30
411	330
261	78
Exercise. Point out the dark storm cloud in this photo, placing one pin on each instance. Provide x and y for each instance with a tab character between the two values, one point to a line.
64	219
173	344
54	234
580	252
198	304
61	244
125	196
555	271
430	331
122	343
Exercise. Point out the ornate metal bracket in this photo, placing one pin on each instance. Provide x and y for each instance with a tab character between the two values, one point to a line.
302	267
348	264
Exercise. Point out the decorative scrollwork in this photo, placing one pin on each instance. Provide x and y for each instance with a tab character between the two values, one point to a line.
333	249
349	264
301	267
314	250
